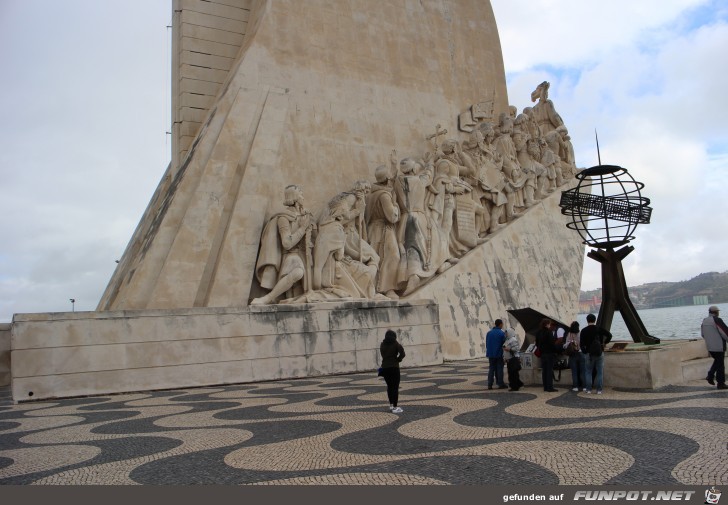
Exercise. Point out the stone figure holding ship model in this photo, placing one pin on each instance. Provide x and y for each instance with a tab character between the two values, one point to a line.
285	250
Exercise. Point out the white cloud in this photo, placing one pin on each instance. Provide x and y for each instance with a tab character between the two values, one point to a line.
648	77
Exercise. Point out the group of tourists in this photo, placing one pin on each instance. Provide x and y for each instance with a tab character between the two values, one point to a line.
584	348
585	351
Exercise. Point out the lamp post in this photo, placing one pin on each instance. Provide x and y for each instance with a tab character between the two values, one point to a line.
73	304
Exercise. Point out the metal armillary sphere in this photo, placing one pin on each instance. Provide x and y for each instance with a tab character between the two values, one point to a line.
606	206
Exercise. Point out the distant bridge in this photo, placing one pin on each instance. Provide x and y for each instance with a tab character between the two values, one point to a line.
680	300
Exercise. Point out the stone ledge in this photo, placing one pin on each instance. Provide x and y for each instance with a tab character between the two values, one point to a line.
95	353
644	367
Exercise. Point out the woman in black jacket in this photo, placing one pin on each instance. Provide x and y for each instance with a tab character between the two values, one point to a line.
392	353
546	342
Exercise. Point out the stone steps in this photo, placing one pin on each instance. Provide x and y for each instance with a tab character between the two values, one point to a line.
697	369
695	360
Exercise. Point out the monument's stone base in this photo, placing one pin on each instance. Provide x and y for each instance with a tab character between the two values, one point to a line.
4	354
639	366
88	353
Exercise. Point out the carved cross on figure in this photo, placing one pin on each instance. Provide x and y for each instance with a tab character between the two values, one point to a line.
434	136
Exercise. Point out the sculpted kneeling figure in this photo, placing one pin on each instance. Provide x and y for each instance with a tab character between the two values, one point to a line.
345	265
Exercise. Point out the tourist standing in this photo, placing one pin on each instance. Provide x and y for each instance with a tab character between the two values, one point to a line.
592	341
512	356
547	343
715	334
494	341
576	358
392	353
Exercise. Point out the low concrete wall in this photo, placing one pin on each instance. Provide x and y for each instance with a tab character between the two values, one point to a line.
4	354
86	353
646	367
659	366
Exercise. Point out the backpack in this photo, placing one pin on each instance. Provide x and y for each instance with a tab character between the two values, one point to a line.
561	363
595	348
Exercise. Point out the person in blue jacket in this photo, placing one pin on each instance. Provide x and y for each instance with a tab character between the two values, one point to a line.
494	341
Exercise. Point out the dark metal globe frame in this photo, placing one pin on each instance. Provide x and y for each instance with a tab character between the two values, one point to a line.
605	220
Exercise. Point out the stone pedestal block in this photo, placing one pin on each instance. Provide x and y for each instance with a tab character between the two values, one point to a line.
90	353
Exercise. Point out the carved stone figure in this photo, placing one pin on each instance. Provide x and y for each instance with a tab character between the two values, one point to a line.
553	140
544	112
344	263
285	251
530	170
425	247
567	153
530	124
511	168
530	161
551	162
488	183
382	215
451	151
459	220
493	199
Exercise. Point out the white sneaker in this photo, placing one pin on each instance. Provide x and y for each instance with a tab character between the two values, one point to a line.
397	410
391	408
587	391
575	390
599	392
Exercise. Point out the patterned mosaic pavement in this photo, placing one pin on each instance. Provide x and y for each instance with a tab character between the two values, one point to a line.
338	430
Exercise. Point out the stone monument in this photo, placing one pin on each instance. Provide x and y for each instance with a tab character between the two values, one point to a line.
232	275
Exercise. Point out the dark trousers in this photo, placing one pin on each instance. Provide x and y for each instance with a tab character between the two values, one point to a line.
514	380
391	377
547	370
717	369
495	371
576	363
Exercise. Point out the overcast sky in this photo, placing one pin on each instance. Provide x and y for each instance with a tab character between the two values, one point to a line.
85	101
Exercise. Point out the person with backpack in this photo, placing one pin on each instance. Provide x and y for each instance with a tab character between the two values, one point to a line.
592	342
547	343
715	333
576	358
392	353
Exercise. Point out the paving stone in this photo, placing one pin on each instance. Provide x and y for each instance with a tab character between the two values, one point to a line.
337	430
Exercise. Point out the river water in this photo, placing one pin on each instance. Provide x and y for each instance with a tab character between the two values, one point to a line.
669	323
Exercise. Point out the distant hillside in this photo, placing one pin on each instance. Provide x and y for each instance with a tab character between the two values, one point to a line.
710	287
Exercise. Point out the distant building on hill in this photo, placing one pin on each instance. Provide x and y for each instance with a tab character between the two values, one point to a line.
703	289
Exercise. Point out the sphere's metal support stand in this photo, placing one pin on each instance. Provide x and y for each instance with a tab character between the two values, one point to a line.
615	295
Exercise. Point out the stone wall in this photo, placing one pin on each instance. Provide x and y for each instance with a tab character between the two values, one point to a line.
86	353
4	354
